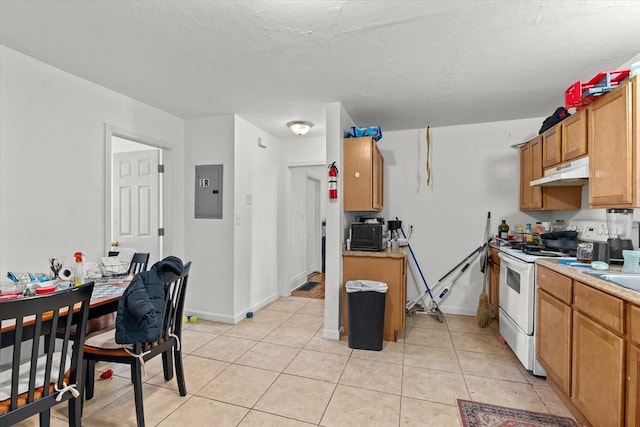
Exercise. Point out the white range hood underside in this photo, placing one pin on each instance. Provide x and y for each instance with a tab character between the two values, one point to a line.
573	173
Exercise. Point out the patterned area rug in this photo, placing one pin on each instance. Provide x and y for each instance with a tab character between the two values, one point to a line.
475	414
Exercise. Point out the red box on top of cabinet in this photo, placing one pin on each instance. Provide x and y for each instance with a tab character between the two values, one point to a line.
580	93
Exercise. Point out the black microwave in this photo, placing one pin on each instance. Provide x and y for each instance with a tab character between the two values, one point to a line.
367	237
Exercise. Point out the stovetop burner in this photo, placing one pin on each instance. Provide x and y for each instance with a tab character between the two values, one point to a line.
538	250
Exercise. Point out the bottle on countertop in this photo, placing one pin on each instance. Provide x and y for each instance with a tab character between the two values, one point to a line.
538	229
503	230
79	276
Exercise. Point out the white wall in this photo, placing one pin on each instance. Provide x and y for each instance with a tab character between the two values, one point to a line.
338	122
209	242
473	171
52	162
298	151
258	203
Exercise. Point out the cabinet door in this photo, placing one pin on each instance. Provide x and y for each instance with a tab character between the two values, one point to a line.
553	339
633	387
378	179
551	141
597	373
494	286
530	169
574	136
610	139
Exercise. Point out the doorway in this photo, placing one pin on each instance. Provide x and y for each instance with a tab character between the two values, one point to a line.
134	216
304	215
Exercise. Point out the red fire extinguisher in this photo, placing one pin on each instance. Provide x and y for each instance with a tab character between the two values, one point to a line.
333	181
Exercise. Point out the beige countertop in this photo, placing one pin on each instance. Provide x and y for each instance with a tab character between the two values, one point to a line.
387	253
577	274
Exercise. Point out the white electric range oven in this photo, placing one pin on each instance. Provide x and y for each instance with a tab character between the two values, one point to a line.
517	306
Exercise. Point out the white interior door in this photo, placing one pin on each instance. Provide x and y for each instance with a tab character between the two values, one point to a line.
136	201
313	228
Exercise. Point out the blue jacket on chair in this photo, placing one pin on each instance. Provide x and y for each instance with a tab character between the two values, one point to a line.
140	308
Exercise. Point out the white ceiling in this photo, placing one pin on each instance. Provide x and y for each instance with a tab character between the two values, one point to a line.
397	64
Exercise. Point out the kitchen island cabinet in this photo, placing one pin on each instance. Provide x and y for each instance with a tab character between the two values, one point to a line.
389	267
603	343
614	148
363	175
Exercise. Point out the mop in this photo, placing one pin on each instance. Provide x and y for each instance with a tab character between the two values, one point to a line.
441	294
435	310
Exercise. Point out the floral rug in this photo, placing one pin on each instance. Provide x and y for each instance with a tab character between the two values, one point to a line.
475	414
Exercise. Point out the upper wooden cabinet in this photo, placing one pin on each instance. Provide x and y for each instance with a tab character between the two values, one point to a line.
543	198
363	175
574	136
551	146
614	148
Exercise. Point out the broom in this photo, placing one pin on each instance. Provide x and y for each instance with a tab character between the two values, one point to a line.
482	314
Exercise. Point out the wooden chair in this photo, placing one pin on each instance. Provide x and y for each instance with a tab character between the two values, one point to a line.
102	347
33	379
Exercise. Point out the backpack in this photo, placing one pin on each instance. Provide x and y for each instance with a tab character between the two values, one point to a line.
559	115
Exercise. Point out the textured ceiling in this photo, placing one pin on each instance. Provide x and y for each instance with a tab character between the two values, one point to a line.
397	64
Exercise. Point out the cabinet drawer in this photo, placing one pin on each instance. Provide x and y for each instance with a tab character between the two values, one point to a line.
554	284
634	323
606	309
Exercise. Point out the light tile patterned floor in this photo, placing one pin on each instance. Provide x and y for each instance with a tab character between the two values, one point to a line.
277	370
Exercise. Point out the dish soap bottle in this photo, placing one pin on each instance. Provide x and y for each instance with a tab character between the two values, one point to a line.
503	230
79	276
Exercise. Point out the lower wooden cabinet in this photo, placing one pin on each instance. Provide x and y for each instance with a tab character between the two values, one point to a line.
598	372
633	387
391	270
494	281
553	339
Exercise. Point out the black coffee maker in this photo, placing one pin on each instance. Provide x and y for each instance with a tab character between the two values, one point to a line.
619	223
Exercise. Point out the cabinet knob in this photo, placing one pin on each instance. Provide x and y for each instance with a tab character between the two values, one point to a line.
357	174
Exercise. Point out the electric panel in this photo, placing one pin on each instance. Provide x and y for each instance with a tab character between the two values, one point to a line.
208	194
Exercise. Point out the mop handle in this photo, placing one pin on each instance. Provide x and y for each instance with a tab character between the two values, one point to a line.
476	250
417	265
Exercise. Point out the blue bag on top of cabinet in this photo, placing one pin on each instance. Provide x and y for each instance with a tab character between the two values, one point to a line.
373	131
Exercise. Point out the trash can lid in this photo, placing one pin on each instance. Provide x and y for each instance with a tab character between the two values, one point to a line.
366	286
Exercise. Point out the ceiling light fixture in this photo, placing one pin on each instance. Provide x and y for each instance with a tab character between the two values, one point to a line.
299	127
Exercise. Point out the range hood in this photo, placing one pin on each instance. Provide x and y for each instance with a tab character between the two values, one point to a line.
567	174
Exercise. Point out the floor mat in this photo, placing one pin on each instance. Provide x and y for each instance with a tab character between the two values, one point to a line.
475	414
308	286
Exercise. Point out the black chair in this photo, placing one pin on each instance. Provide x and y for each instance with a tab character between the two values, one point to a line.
101	346
33	377
139	261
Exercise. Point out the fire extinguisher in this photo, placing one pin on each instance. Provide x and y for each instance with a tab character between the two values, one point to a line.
333	181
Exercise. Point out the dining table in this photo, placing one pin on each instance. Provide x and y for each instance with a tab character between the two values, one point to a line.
104	303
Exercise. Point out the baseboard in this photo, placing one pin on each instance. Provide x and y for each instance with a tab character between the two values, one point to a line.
331	334
298	280
228	318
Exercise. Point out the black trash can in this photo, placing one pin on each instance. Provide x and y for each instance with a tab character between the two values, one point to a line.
365	299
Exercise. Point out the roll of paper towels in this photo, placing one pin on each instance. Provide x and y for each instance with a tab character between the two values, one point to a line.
66	273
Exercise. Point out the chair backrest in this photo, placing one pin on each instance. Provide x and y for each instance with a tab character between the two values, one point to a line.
139	262
173	308
39	363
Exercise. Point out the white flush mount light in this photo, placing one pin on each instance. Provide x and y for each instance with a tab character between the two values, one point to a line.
299	127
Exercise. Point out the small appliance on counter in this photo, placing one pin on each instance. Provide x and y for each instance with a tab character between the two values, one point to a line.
368	236
619	226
